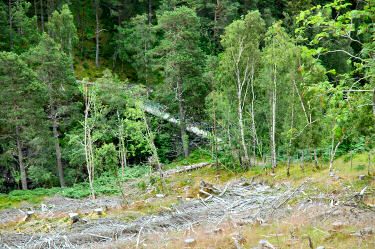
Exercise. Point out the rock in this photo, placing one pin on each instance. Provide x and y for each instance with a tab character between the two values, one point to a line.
98	211
217	177
28	215
189	241
73	217
264	244
316	189
218	230
272	174
179	198
160	195
331	174
366	231
320	247
362	177
337	225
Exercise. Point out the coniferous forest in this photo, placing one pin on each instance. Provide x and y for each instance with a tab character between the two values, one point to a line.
97	94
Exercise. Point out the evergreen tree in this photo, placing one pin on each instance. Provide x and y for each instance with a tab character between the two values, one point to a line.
52	67
19	108
181	58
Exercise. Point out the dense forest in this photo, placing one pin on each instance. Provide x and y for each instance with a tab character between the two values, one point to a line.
94	87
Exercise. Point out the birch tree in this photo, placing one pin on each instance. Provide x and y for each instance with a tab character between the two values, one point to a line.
241	42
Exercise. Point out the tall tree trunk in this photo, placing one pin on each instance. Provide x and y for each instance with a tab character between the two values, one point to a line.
215	132
97	33
20	159
58	153
242	129
290	139
184	136
373	103
82	28
78	12
316	159
273	142
42	15
149	12
71	52
253	128
11	26
302	159
36	14
88	143
115	54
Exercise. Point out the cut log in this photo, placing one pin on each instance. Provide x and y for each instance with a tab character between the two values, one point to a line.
73	217
28	215
98	211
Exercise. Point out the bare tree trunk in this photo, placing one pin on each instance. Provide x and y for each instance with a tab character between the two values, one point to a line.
184	136
88	143
302	160
58	153
70	52
36	14
369	163
42	15
242	132
122	149
215	132
316	160
115	54
253	128
11	26
290	139
149	12
20	159
273	142
97	33
154	152
333	153
82	28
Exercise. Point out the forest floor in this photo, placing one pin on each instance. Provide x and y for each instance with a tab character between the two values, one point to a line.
209	209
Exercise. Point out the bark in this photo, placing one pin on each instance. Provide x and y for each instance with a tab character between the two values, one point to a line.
11	26
42	15
58	153
149	12
97	33
373	103
70	52
316	160
242	129
78	11
302	160
82	28
253	128
20	159
290	139
122	148
215	132
273	142
333	152
115	54
36	14
184	138
18	27
88	144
